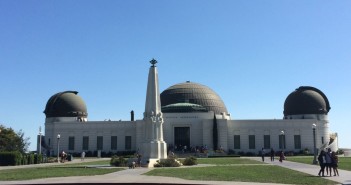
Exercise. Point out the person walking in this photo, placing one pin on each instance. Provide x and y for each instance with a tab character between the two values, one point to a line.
328	162
281	157
82	156
321	160
262	154
272	154
335	161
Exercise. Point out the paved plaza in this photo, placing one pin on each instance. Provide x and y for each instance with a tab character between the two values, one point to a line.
135	175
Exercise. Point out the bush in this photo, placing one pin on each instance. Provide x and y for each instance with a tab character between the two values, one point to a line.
10	158
118	161
231	152
189	161
171	162
339	152
38	158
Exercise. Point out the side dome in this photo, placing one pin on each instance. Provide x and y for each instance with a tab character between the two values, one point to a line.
66	104
192	93
306	100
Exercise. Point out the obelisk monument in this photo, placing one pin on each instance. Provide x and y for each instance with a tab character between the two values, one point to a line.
154	147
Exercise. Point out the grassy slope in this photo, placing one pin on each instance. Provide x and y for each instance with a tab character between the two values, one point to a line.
46	172
344	162
251	173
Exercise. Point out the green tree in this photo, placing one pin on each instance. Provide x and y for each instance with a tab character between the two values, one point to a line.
13	141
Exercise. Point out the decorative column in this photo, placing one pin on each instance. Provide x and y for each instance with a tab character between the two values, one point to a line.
154	148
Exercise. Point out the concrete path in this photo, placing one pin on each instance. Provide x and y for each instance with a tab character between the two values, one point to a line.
135	176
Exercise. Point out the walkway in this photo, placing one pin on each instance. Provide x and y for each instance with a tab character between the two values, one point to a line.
135	176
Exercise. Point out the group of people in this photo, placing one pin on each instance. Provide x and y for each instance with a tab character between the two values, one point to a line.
272	155
327	161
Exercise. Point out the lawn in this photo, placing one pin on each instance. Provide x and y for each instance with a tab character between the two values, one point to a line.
46	172
344	162
227	161
99	162
242	173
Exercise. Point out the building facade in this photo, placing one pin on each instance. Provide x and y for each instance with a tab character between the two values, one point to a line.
193	116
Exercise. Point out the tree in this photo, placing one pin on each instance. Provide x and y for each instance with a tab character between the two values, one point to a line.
12	141
215	133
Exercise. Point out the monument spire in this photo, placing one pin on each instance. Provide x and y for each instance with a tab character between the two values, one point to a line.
153	102
154	147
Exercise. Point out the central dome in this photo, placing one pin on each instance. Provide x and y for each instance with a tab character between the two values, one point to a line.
193	93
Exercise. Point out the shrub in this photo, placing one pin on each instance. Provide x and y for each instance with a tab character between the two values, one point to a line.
171	162
38	159
231	152
189	161
306	151
340	152
10	158
118	161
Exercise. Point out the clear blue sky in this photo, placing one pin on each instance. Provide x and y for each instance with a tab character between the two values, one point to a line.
252	53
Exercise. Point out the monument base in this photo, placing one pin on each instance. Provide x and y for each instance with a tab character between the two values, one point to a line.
153	152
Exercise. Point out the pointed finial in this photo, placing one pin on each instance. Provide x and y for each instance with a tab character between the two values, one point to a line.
153	62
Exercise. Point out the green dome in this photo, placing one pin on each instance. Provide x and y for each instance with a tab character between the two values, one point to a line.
66	104
306	100
193	93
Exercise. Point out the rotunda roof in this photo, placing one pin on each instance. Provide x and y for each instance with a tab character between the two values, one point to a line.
306	100
66	104
193	93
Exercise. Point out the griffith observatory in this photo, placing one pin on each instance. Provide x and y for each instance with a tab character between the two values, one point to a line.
187	115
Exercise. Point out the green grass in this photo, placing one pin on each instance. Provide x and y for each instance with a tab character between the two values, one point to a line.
227	161
100	162
242	173
46	172
344	162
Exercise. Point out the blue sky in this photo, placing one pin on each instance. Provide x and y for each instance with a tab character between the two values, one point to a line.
252	53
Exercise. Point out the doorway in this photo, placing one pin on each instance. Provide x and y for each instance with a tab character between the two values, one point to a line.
182	137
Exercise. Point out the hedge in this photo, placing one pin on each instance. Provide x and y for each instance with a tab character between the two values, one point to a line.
16	158
10	158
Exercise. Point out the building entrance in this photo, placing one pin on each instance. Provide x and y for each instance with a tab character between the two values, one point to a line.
182	137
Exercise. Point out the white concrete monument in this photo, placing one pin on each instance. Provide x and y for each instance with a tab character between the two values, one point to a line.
154	147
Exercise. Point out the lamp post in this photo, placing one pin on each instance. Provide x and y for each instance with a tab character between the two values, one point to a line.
58	148
282	133
314	144
40	140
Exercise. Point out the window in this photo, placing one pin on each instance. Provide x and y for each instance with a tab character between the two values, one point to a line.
99	142
128	142
266	141
113	142
85	143
322	140
49	141
282	142
297	141
71	143
252	142
236	141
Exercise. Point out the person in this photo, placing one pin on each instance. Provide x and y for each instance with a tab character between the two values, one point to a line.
335	161
328	161
272	154
262	154
281	157
63	156
82	156
139	160
321	160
